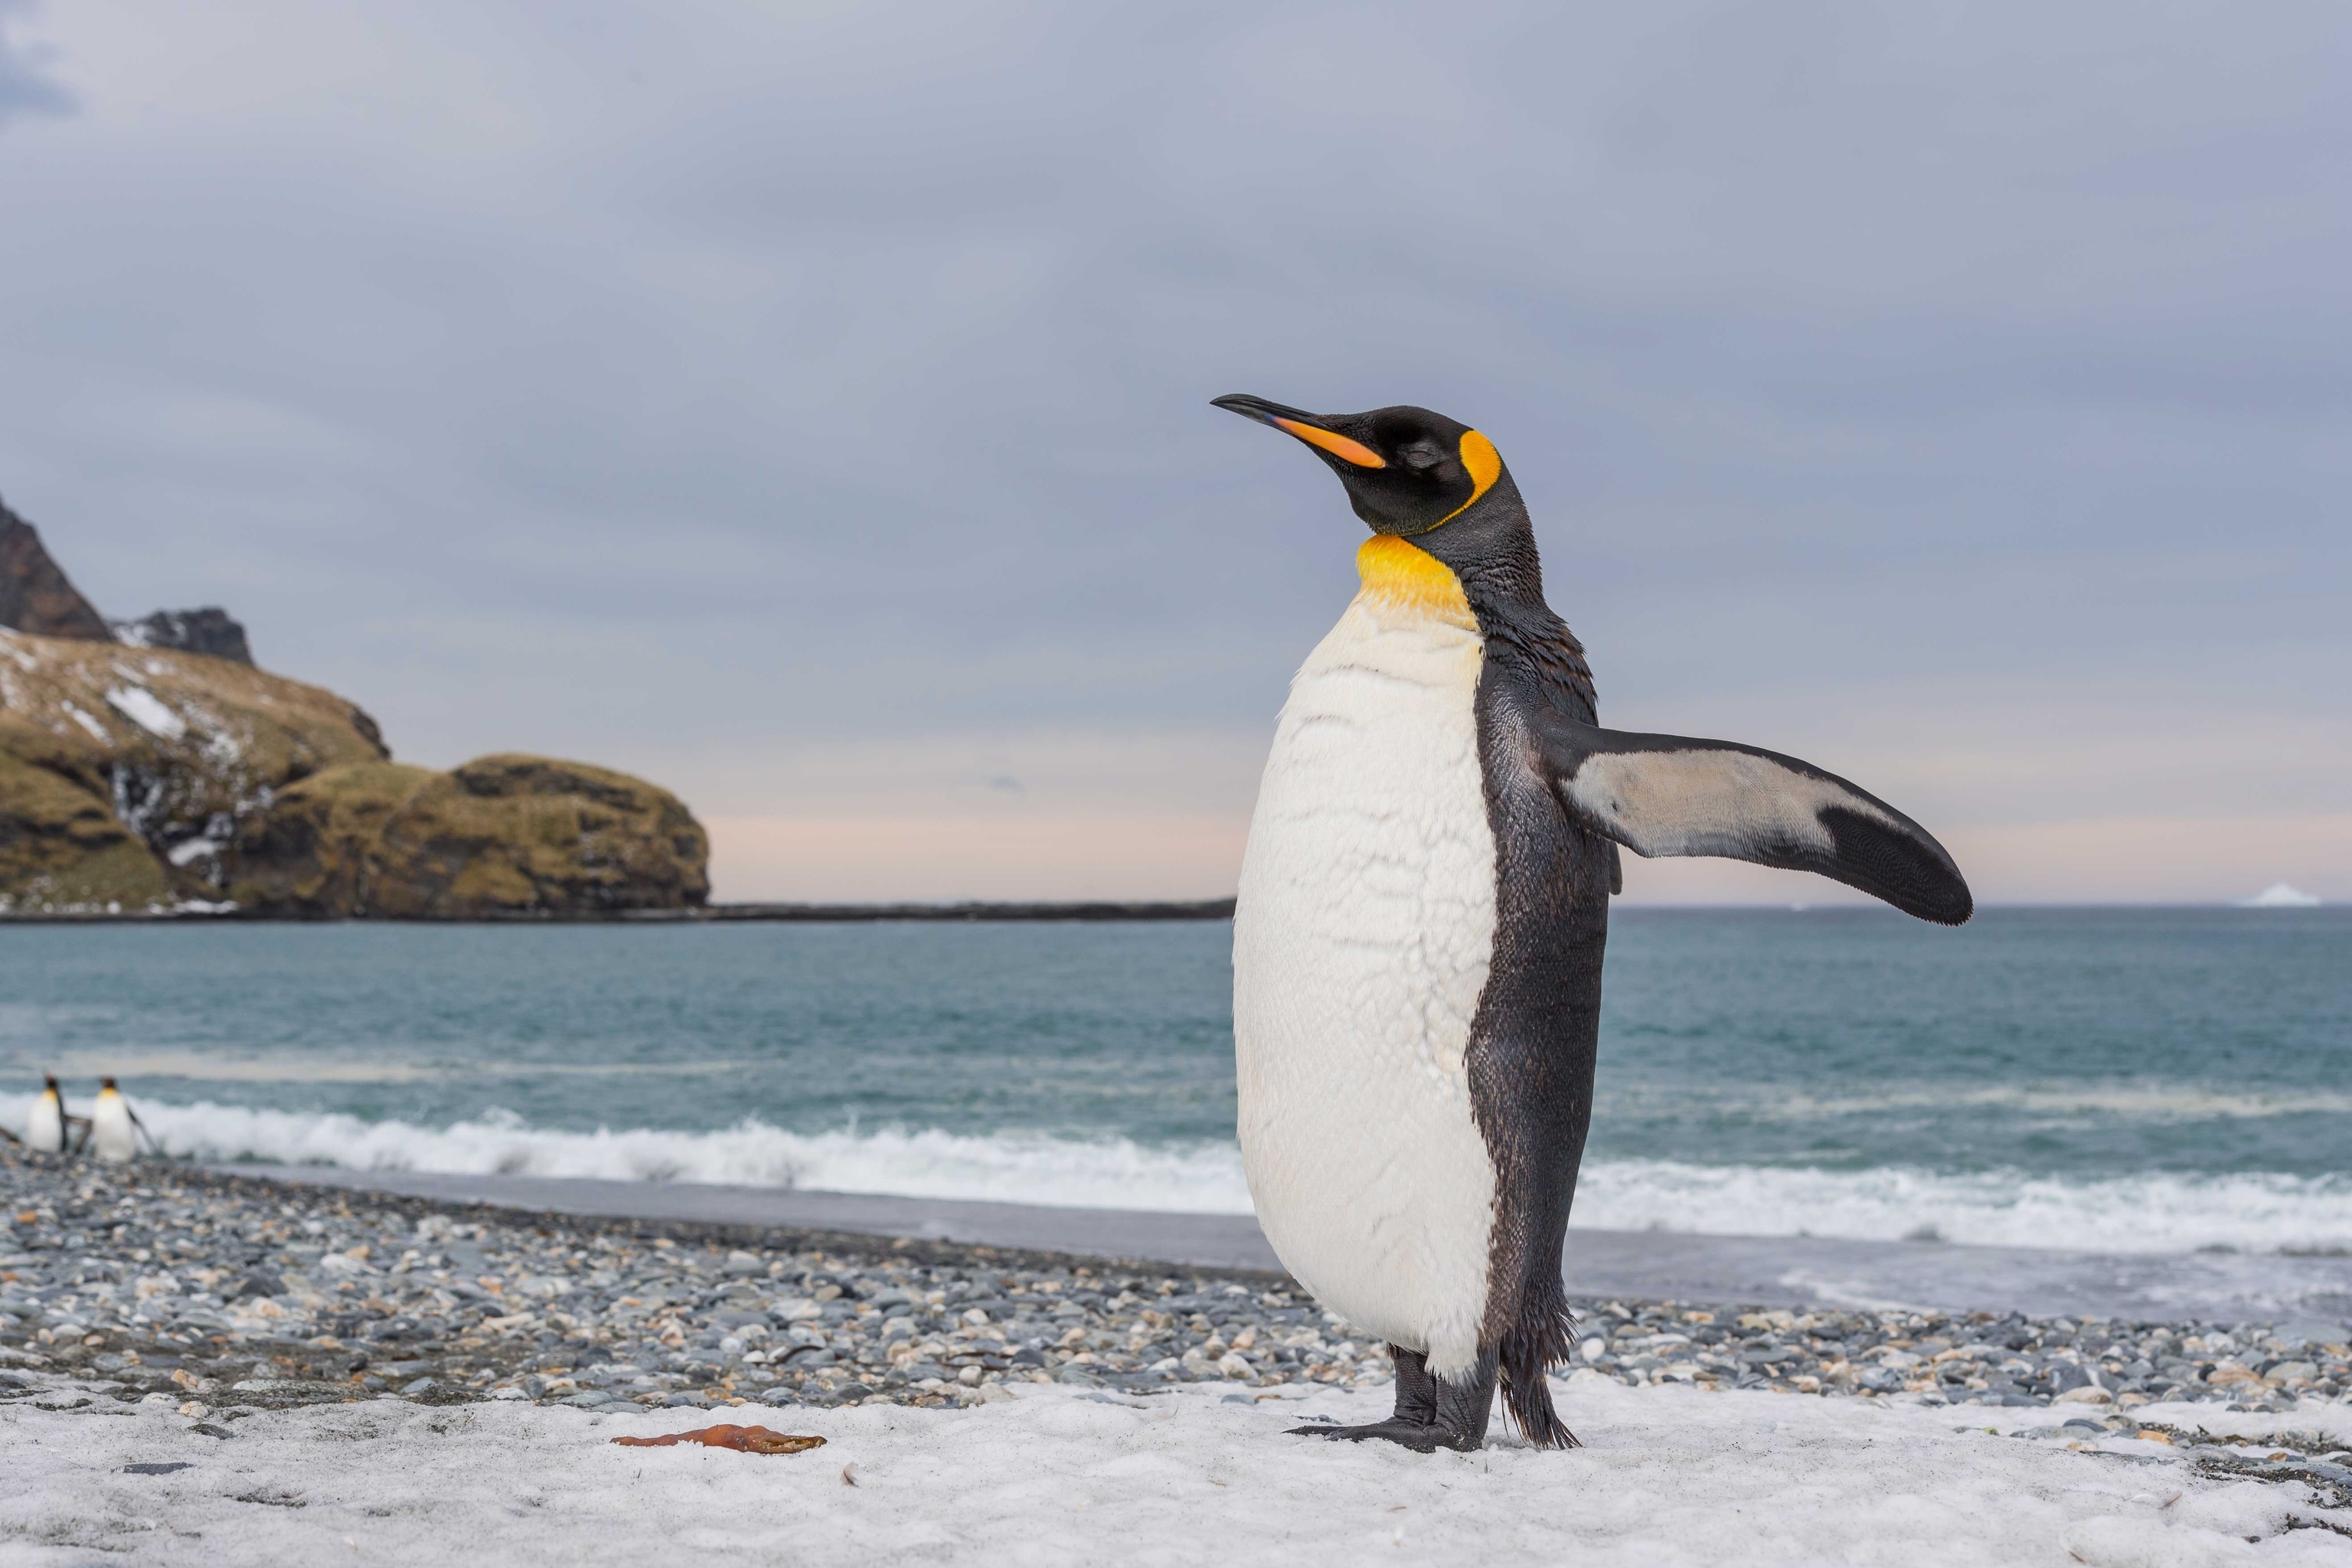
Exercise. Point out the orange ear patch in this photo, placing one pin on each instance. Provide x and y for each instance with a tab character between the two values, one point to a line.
742	1439
1339	446
1484	463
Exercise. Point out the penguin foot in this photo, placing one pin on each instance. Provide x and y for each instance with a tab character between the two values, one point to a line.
1431	1414
1421	1437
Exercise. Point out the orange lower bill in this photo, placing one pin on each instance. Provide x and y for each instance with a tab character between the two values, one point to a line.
1339	446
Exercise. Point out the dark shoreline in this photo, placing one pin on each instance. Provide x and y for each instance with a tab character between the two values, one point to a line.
1097	912
852	914
981	911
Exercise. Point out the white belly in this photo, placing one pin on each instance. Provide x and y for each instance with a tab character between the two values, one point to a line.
46	1130
110	1136
1360	946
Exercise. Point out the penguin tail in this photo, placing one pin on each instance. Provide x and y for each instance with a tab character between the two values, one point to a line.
1526	1353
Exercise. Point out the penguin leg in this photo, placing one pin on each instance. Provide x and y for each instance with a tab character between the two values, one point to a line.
1432	1413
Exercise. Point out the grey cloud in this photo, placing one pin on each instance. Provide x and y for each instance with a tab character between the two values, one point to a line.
842	371
24	87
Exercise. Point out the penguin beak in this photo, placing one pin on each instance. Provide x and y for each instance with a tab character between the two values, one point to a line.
1312	428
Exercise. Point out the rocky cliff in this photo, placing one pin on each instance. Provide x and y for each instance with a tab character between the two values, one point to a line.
35	595
210	630
164	772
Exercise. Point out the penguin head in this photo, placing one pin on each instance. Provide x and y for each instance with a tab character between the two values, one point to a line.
106	1086
49	1087
1407	471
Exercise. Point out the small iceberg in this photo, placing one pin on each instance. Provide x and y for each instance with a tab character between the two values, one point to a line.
2280	896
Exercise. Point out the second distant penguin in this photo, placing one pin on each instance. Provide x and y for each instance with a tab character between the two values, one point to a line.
114	1128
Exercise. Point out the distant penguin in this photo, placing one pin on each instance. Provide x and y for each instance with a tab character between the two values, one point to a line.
46	1130
1424	898
114	1127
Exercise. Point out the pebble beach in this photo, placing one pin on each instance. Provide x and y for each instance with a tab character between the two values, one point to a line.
414	1369
215	1292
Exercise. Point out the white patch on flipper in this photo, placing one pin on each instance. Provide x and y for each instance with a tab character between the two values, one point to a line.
1361	942
1709	802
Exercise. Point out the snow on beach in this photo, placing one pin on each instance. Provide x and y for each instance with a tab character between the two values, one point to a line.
1056	1476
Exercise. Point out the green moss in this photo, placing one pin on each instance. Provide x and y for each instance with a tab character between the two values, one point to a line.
501	836
316	820
189	742
61	847
316	850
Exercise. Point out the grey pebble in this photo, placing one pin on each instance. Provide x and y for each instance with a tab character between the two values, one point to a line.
162	1279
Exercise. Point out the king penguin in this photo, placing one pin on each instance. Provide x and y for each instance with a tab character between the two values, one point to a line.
1423	901
47	1129
114	1127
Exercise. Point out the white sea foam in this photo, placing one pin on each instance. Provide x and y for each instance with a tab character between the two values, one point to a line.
2155	1212
1034	1168
2121	1102
2158	1212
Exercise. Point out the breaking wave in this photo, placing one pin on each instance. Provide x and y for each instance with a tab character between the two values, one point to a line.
2154	1211
1006	1167
2157	1212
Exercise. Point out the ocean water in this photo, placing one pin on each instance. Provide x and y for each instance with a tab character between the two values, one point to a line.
2126	1080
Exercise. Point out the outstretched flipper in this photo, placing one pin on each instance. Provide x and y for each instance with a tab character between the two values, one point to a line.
153	1146
1668	794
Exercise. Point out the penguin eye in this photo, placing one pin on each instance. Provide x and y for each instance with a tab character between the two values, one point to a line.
1421	454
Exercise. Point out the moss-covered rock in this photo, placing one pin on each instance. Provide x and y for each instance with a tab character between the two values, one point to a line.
318	851
502	836
162	770
114	754
138	778
61	847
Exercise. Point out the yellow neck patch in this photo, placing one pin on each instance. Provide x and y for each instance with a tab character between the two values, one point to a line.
1403	574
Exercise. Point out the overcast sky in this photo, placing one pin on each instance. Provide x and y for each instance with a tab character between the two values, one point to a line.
807	406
